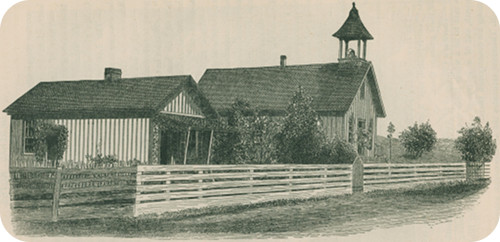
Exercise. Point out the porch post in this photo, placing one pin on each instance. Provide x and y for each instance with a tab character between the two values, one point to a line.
187	145
210	146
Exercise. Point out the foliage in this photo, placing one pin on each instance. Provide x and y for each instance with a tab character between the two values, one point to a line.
476	142
418	139
351	129
364	140
51	141
342	152
105	160
299	139
249	137
390	129
100	159
257	144
369	145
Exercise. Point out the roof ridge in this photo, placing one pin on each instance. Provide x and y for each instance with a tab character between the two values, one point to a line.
121	79
274	66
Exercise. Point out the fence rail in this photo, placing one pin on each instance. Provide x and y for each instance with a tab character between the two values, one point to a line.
70	193
36	194
390	176
170	188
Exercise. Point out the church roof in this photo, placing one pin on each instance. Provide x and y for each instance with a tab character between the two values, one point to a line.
353	28
332	86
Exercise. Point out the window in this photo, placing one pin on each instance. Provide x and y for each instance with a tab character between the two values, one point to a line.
361	123
29	136
362	91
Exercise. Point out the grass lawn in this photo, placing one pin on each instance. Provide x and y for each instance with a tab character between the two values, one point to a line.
443	152
339	215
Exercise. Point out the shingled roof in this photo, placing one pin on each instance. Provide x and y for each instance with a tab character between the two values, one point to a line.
332	86
128	97
353	28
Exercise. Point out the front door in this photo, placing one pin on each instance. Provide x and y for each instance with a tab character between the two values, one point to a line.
170	148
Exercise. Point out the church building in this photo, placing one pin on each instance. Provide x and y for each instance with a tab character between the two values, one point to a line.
345	94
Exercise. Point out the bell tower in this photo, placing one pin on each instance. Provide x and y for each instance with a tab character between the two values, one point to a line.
352	30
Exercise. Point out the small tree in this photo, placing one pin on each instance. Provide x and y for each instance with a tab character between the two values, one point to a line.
249	138
418	139
299	139
51	141
390	129
476	142
227	145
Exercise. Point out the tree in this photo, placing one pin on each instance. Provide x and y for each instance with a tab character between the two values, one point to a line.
51	141
476	142
249	138
390	129
227	145
418	139
300	138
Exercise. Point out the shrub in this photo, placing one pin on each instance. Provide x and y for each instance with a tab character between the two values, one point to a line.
418	139
344	152
257	145
299	139
51	141
100	160
336	151
476	143
249	137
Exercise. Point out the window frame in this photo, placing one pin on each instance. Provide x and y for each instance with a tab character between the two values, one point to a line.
25	127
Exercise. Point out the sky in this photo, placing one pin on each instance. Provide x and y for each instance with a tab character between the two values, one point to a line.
434	60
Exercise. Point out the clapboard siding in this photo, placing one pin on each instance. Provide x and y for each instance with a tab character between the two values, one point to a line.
124	138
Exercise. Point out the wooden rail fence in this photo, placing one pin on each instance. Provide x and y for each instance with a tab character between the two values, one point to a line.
170	188
390	176
76	193
50	193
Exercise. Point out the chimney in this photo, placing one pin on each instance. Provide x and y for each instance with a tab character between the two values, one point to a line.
112	74
283	60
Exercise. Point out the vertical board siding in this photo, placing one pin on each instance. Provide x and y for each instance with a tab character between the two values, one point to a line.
183	104
332	126
126	139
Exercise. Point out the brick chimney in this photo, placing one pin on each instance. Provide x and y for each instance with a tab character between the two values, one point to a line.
112	74
283	60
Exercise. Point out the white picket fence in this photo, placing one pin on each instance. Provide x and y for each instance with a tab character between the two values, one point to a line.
171	188
390	176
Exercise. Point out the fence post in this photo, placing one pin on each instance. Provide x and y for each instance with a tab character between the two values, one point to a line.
200	181
325	176
290	178
357	175
251	179
57	191
137	192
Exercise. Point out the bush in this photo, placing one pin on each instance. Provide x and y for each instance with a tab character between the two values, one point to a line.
249	138
337	151
344	152
51	141
299	139
476	143
100	159
418	139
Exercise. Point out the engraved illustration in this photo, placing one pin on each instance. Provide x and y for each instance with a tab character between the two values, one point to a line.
243	150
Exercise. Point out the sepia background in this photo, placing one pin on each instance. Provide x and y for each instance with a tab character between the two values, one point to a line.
434	60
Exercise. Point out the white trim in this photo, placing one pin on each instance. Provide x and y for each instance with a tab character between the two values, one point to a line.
183	114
